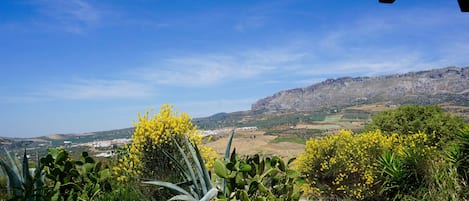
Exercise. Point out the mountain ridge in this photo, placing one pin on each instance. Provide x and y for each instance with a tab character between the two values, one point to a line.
421	87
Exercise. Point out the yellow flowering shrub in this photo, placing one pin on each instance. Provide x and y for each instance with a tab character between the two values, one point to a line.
155	134
346	164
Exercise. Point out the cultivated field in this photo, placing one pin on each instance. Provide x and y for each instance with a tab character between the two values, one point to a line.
252	142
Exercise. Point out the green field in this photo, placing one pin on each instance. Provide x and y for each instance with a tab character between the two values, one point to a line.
289	139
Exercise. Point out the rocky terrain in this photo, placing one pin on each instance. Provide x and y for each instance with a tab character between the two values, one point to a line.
446	85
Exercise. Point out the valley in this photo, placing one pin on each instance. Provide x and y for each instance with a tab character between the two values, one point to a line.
281	124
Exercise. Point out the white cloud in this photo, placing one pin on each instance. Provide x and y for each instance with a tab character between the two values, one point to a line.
207	69
391	42
96	89
71	15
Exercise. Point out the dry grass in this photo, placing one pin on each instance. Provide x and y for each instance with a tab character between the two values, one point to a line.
255	142
56	137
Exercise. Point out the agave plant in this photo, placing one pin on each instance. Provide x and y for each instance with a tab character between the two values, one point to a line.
194	172
23	186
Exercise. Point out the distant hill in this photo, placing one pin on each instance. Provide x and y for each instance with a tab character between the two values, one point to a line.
5	141
446	85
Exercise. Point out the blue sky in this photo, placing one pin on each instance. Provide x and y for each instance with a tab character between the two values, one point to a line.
80	65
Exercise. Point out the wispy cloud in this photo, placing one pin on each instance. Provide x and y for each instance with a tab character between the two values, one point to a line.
251	22
382	43
364	46
96	89
207	69
71	15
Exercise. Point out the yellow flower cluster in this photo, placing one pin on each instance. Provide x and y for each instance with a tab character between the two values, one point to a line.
126	165
151	132
345	163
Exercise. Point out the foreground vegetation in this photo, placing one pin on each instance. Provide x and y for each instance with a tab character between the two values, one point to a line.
409	153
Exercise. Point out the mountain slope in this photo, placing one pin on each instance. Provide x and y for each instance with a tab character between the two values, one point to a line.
425	87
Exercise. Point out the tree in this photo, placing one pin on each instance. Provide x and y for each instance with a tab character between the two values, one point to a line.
409	119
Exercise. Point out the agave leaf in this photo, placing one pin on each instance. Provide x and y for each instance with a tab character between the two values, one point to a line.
210	194
183	197
179	166
228	146
14	180
202	165
189	167
197	165
227	157
168	185
14	166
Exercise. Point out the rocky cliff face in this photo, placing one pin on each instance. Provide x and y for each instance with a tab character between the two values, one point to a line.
424	87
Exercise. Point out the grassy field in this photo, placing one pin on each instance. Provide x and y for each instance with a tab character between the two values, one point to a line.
289	139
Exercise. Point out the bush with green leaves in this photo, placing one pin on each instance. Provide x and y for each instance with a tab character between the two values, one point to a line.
410	119
69	179
258	178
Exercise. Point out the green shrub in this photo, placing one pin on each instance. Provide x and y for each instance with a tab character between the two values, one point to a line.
68	179
411	119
